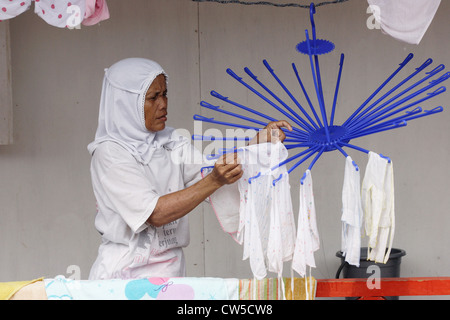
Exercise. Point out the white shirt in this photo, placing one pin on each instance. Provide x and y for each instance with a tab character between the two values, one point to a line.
127	192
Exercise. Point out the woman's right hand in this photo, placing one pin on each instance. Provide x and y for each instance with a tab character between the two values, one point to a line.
227	169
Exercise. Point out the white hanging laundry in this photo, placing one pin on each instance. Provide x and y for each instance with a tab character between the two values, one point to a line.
386	227
377	196
257	224
282	226
405	20
307	241
372	195
260	224
352	214
256	190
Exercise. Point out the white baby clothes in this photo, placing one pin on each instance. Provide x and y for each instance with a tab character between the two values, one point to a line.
377	196
307	241
265	225
282	226
352	214
405	20
256	188
386	227
257	224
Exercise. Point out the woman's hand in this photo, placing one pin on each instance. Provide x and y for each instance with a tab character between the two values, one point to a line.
227	169
175	205
272	132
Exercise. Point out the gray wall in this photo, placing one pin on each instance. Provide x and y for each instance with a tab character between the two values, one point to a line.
47	205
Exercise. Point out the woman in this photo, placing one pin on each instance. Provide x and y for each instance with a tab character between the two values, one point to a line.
142	195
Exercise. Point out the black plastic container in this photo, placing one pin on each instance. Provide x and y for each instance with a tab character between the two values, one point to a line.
389	270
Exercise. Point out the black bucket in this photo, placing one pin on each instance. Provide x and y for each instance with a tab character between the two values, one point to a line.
391	269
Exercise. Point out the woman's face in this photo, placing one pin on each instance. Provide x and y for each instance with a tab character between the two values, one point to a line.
155	106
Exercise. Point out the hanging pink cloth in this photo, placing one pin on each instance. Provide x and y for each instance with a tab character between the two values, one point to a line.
61	13
96	11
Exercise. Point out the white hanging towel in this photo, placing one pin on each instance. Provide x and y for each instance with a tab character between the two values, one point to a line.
307	241
352	214
404	20
378	205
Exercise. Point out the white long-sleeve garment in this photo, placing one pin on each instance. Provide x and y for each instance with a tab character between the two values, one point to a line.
377	196
307	241
404	20
352	214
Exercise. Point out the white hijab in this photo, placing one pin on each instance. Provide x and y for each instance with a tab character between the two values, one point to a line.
121	116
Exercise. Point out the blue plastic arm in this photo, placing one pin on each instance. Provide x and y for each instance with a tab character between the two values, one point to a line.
211	120
310	153
402	65
367	132
341	64
319	96
218	109
379	116
290	94
306	96
418	70
213	138
239	79
302	123
407	116
298	145
377	111
313	150
346	155
226	99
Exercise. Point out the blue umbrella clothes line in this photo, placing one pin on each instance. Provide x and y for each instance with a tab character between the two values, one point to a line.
318	133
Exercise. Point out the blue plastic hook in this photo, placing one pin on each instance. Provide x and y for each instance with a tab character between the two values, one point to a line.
385	157
312	12
277	179
255	177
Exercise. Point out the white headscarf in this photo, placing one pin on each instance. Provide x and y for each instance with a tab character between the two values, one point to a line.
121	116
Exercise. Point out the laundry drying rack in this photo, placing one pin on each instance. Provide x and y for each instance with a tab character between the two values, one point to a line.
317	133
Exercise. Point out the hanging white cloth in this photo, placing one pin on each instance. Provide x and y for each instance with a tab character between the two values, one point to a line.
352	214
265	225
257	188
405	20
282	226
378	205
307	241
